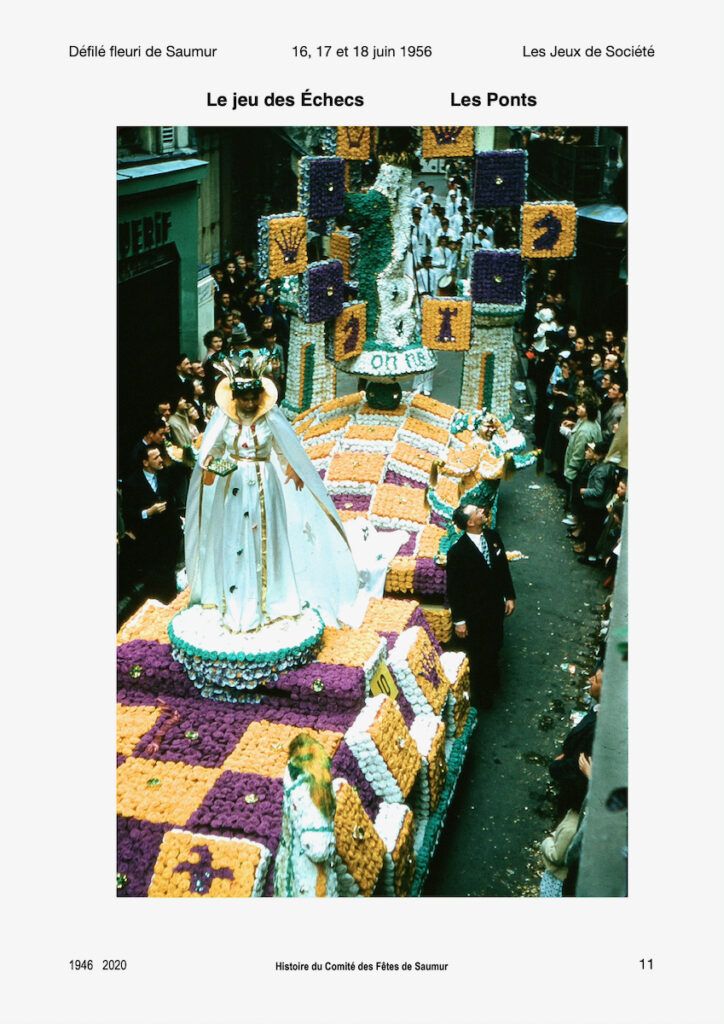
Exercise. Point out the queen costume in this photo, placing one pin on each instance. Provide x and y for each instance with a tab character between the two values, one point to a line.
257	548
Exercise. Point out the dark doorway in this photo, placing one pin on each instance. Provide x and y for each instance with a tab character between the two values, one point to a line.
148	339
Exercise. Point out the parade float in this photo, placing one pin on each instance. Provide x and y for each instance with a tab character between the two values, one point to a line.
322	764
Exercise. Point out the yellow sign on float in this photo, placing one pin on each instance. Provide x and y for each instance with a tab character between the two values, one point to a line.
382	682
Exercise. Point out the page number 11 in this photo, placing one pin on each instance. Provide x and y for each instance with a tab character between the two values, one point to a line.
647	965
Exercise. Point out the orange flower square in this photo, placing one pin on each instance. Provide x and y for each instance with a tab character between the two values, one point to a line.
448	491
439	620
429	541
416	457
430	431
370	432
388	614
399	751
357	467
325	427
264	748
189	864
426	666
357	840
150	622
437	766
353	647
401	575
339	249
403	856
391	501
431	405
131	724
391	414
321	451
162	791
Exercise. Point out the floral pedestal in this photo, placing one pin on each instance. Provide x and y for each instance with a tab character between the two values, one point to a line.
234	666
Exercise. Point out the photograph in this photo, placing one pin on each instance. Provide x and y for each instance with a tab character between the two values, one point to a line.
372	511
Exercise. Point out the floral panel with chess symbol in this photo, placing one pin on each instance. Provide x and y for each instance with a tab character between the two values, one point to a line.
446	324
282	245
354	143
548	230
350	331
447	141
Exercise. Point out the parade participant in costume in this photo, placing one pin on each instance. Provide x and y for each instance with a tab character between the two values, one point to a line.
481	594
254	545
427	277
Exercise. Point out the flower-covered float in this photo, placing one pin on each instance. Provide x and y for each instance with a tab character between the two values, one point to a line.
214	799
407	469
207	805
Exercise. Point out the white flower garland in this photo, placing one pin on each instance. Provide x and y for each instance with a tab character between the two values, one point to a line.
389	824
371	762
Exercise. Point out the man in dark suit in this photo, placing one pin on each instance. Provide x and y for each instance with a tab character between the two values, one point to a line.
152	522
481	594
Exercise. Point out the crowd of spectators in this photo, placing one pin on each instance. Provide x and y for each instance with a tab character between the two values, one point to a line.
578	373
581	392
249	320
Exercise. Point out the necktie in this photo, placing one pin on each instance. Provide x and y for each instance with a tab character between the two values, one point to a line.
485	550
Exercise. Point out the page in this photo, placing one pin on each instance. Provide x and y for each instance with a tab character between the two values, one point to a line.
366	510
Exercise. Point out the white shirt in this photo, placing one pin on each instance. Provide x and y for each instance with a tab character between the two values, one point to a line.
441	258
153	484
456	226
427	281
152	480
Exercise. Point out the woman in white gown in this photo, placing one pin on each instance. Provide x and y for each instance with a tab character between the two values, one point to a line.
265	540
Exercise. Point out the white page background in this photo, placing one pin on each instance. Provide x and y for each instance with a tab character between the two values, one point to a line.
213	961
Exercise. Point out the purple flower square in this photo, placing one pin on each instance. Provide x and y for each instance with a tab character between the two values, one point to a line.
497	277
406	709
150	666
352	502
429	578
137	846
346	766
418	619
319	685
322	291
198	732
324	186
242	805
500	178
393	477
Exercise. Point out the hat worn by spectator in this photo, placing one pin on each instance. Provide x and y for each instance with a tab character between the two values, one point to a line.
598	447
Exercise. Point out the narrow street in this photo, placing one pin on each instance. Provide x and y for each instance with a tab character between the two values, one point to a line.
503	805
